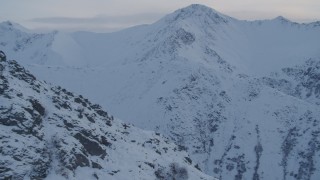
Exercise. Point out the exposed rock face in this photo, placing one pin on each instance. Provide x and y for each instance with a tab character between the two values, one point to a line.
301	81
2	56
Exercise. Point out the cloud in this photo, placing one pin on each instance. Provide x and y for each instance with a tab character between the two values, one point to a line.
102	19
100	23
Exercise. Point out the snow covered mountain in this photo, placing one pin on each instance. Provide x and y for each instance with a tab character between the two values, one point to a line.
242	97
49	132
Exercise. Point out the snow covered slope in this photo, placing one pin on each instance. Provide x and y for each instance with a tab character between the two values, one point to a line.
242	97
47	132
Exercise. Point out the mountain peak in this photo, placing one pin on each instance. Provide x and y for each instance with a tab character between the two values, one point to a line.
198	12
281	19
197	7
9	25
6	25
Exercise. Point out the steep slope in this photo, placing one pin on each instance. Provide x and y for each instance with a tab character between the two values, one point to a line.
49	132
241	97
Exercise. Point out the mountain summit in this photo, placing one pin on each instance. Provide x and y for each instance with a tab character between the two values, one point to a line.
198	12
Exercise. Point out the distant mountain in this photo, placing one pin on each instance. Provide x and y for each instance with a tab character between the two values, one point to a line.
49	132
241	97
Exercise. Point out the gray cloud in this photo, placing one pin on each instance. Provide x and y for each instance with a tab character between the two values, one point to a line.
100	23
102	19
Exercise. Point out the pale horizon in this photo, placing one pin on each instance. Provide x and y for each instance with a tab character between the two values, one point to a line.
111	15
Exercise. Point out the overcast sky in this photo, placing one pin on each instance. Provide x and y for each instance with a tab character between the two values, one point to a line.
111	15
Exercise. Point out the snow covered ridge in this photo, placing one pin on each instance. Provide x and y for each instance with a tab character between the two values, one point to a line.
48	132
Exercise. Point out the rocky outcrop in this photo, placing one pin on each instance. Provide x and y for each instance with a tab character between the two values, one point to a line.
47	131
